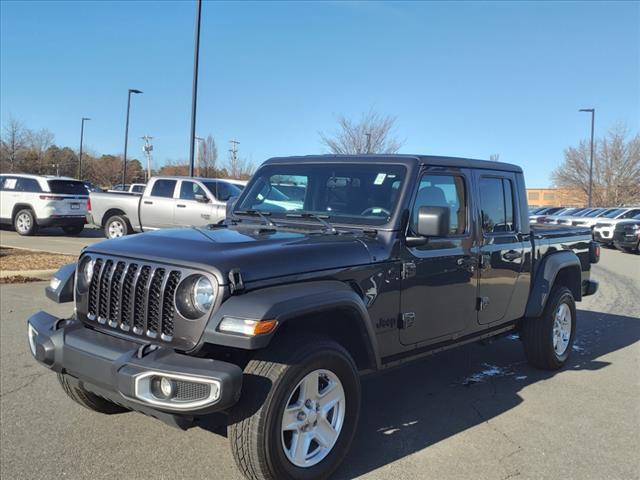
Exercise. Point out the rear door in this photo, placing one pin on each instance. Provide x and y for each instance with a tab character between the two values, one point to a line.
189	211
8	196
502	249
156	209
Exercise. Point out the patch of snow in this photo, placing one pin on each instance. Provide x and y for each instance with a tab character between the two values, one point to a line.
521	377
489	371
513	336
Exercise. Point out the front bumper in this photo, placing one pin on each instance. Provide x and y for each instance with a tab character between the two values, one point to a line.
602	236
120	370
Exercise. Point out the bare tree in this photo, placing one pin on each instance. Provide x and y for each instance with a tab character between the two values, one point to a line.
38	142
207	157
494	157
14	136
616	169
372	133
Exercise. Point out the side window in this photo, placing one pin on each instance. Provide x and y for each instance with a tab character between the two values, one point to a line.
28	185
8	183
496	197
189	190
631	213
443	191
163	188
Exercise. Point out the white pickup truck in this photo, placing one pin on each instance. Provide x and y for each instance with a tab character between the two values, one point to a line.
166	202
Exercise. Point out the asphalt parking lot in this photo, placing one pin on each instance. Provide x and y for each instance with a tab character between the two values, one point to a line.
51	239
476	412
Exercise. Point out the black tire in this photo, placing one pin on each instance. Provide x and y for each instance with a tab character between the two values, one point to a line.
117	223
269	381
24	222
88	399
538	333
73	229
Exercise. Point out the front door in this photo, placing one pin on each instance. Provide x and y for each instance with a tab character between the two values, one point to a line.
439	278
502	250
189	211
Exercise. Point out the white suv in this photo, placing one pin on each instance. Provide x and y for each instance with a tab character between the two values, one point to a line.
603	229
33	201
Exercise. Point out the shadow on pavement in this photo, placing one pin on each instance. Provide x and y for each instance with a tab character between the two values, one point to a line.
409	409
88	232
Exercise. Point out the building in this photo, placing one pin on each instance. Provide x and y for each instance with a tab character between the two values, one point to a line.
555	197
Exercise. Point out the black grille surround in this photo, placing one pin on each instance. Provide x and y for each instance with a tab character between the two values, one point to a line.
136	299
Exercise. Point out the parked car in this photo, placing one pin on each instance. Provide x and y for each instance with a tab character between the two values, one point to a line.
539	217
626	235
582	216
603	229
30	202
165	202
92	187
273	316
128	188
553	219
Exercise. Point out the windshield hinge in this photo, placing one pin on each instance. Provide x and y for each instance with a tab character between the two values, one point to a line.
235	281
408	270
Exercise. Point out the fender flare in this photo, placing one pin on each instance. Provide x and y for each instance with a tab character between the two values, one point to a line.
545	276
286	303
22	206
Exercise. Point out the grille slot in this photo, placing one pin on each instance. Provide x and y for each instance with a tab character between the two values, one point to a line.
134	298
190	391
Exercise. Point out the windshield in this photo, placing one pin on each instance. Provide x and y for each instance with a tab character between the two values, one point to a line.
614	213
595	213
67	187
347	193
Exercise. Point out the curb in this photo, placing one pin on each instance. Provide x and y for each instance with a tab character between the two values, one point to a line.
39	274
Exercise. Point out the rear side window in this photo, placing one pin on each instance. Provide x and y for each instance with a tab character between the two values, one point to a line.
27	185
67	187
496	197
8	183
163	188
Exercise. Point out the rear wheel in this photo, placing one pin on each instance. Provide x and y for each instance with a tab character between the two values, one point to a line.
73	229
116	226
548	339
298	411
88	399
25	222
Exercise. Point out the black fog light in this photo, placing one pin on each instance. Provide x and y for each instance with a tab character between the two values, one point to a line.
163	388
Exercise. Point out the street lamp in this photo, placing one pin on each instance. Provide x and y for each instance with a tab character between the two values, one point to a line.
593	116
194	92
126	135
80	154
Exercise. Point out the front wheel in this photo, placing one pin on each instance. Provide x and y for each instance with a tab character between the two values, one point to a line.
298	411
88	399
548	339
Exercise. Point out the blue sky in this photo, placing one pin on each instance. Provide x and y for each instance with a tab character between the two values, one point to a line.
467	79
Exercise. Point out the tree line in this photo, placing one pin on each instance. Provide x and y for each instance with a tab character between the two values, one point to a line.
23	150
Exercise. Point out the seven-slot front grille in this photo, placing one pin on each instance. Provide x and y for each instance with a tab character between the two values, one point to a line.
134	298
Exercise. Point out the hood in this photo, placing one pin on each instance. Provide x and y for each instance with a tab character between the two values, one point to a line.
258	254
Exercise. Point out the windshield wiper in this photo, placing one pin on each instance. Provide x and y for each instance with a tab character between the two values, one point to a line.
320	218
257	213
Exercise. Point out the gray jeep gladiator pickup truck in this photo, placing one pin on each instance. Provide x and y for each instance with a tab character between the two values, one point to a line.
271	318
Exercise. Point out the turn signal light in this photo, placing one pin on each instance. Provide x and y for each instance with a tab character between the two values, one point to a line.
247	327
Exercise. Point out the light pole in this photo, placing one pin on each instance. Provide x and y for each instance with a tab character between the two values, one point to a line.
126	136
80	154
593	117
194	92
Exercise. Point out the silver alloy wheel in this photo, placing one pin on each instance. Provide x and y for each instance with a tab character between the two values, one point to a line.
23	223
313	418
116	229
562	329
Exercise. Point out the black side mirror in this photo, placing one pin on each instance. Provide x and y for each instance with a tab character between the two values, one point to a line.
201	198
432	222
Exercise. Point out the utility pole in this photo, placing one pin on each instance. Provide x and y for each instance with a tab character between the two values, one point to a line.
194	92
126	135
593	116
233	153
147	148
80	154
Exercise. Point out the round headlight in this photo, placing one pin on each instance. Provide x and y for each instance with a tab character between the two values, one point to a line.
85	273
195	296
203	294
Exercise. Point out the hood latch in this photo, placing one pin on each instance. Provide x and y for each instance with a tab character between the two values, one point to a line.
235	281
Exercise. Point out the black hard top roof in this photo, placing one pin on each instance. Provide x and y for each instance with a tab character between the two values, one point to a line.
398	158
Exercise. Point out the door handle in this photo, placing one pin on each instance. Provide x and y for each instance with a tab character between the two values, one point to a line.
147	202
181	206
511	255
